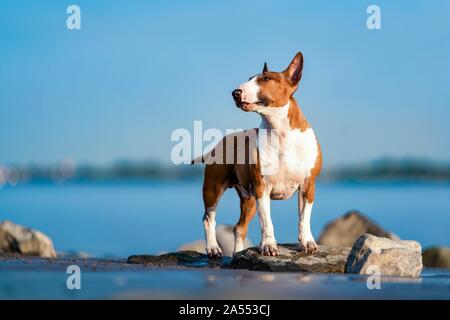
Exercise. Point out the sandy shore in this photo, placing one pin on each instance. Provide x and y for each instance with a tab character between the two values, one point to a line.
37	278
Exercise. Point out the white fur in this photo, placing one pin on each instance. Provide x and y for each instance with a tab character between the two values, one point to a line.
209	222
250	91
274	117
304	225
296	152
267	233
238	242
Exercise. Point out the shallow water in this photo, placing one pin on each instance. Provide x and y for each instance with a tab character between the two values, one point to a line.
46	279
120	219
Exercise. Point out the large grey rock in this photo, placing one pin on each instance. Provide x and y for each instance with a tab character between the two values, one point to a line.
290	258
345	230
436	257
225	238
15	238
392	257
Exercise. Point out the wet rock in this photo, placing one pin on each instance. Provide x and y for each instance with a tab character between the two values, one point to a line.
179	258
392	257
345	230
25	241
225	238
436	257
290	258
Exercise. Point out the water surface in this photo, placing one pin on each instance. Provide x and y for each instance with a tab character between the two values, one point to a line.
120	219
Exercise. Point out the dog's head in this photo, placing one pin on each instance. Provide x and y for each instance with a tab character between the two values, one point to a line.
269	88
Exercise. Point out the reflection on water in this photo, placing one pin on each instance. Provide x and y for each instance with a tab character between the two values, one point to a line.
135	218
37	278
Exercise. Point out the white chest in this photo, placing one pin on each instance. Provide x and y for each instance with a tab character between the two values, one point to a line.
290	160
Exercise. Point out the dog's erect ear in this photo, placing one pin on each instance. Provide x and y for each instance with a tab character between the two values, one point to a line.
265	68
294	71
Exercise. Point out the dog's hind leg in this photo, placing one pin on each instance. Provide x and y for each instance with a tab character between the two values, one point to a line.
213	188
305	204
248	211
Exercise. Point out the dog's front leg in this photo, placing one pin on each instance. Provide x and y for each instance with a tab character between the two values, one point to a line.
305	237
268	244
209	222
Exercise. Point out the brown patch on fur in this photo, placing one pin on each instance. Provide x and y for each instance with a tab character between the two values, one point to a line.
309	190
214	184
309	187
278	87
296	118
229	173
248	211
275	91
318	165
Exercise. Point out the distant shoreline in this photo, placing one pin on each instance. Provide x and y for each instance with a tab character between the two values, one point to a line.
148	182
380	171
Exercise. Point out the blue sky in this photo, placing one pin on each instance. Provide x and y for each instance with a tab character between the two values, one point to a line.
137	70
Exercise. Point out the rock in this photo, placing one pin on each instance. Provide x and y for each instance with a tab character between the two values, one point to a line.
345	230
179	258
290	258
167	258
22	240
392	257
436	257
225	238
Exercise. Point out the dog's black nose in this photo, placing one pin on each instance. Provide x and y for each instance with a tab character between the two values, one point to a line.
236	93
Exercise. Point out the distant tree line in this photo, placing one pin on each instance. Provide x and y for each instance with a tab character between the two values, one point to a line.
385	169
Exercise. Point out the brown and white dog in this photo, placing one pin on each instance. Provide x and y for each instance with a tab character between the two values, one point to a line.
270	94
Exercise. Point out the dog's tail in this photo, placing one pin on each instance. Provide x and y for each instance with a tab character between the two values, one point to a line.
199	159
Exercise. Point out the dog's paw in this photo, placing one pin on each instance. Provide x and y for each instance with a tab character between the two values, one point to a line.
214	252
269	249
309	246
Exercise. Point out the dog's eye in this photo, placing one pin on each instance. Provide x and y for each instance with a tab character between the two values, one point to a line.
265	78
